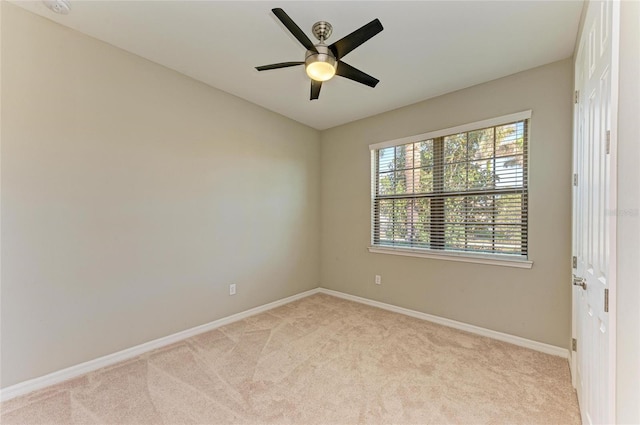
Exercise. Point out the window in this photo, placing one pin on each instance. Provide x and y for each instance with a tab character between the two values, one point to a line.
456	191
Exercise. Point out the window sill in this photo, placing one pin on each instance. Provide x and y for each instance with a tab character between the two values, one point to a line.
450	256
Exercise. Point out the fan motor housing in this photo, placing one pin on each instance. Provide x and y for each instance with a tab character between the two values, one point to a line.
323	55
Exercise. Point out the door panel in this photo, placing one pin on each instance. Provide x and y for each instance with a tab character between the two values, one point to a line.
593	216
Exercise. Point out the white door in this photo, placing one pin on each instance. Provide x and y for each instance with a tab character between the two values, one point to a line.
594	218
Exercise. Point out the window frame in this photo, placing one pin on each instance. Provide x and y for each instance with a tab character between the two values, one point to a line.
509	260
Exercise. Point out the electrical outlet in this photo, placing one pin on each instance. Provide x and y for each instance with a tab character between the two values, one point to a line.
232	289
378	279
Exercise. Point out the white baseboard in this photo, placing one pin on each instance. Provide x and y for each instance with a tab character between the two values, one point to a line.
512	339
110	359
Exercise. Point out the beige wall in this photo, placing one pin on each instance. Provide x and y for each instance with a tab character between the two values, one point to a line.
533	304
132	196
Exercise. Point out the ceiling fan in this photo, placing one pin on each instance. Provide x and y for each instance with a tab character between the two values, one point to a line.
322	62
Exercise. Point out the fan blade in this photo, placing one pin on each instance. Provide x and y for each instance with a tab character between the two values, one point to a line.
315	89
278	65
346	44
294	29
347	71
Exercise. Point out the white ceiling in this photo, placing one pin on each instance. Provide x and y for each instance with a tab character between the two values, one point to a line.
427	48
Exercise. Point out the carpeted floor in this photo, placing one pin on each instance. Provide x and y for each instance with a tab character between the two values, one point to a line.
319	360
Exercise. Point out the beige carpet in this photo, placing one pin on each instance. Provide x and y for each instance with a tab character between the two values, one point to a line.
319	360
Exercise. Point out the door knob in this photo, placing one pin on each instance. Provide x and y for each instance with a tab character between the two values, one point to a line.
580	281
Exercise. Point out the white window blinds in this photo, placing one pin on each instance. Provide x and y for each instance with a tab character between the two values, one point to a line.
464	191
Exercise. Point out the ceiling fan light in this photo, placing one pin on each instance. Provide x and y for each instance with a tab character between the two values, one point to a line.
320	66
320	71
